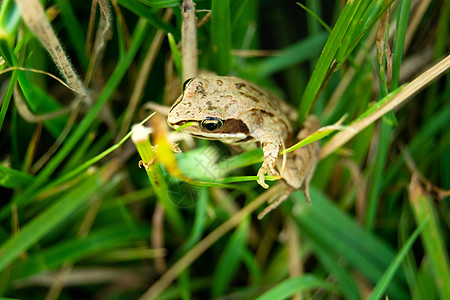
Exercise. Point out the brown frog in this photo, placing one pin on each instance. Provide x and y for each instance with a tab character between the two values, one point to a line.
238	112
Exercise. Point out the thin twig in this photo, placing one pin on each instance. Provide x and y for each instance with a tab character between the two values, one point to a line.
158	237
55	146
293	246
90	30
189	40
42	72
103	34
30	117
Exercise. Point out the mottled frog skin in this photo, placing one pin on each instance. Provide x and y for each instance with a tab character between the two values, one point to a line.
238	112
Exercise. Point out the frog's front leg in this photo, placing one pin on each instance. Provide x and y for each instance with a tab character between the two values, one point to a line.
270	142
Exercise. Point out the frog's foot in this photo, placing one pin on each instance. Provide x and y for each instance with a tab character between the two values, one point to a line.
274	203
305	189
266	168
146	165
174	147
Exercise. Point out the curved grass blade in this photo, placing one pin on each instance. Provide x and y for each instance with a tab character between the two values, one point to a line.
149	14
384	281
72	141
291	286
49	219
229	260
432	237
221	36
76	249
13	179
326	58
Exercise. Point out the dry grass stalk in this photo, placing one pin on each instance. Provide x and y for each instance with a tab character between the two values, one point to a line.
34	16
395	101
103	34
189	40
158	237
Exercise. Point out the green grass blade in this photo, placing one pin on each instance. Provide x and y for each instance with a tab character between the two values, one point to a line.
377	174
327	227
199	221
161	3
346	282
315	17
71	174
9	21
75	249
229	260
7	98
350	37
432	238
221	36
326	58
72	141
157	179
175	54
377	292
48	220
13	179
291	286
423	136
293	54
399	42
149	14
386	127
36	99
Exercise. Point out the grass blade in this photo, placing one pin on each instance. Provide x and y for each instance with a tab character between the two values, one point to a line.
221	36
229	260
291	55
143	11
327	227
384	281
432	237
291	286
49	219
72	141
326	58
13	179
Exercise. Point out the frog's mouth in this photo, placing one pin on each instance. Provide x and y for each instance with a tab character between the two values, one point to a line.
232	129
219	136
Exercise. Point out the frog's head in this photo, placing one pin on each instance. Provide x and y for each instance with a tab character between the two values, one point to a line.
210	109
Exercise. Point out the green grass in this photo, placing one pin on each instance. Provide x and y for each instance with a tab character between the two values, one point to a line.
89	223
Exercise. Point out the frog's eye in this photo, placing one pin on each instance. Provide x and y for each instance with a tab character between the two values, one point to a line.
212	123
186	83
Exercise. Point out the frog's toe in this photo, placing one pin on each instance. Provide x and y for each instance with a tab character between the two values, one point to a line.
274	172
261	180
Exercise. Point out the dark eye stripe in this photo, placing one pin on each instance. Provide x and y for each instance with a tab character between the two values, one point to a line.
186	83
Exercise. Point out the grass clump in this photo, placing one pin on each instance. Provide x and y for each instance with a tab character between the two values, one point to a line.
79	219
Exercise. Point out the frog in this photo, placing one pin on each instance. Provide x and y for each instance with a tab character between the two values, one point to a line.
238	112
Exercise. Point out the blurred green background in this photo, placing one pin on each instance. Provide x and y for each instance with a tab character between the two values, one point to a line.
80	220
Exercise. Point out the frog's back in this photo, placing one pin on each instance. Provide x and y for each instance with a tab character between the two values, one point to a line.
259	98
